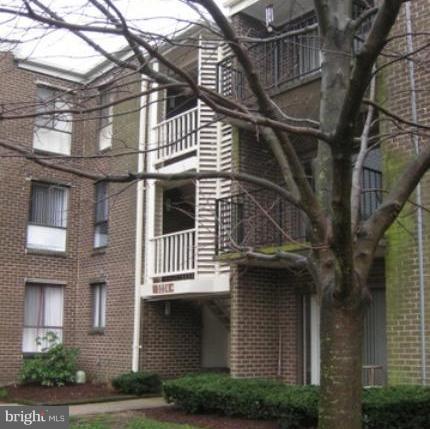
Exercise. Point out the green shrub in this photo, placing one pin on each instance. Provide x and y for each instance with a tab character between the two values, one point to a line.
137	383
55	366
402	407
397	407
297	406
3	393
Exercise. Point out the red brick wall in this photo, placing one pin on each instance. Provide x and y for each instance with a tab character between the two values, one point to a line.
171	345
265	324
401	261
16	264
110	353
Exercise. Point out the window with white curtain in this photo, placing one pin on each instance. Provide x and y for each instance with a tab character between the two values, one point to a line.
99	305
43	313
105	124
48	217
52	130
101	215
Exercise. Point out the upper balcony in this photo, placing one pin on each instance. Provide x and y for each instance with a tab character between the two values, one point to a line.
278	60
262	219
177	136
284	46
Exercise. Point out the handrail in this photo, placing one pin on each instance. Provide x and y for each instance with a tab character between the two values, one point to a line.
177	135
165	121
174	233
174	253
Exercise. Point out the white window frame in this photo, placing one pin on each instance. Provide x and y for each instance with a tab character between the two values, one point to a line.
40	328
52	132
45	233
101	222
105	122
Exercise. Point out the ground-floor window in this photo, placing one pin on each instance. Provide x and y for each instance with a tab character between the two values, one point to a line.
99	305
375	341
43	313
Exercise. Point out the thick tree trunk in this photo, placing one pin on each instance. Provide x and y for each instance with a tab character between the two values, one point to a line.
341	363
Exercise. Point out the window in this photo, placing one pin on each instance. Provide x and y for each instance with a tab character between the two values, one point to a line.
43	313
48	217
101	216
99	305
105	129
53	130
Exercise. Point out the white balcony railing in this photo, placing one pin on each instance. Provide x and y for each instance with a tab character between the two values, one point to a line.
177	135
174	253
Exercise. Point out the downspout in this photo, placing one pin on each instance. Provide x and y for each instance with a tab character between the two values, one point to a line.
139	232
411	68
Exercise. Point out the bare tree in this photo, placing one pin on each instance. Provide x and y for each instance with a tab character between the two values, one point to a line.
342	248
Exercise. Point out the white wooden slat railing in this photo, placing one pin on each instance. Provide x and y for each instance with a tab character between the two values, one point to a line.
177	135
174	253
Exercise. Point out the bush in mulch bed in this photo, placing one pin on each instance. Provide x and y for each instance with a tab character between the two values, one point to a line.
400	407
137	383
56	366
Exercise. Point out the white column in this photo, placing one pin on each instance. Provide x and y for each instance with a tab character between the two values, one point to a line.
315	340
139	230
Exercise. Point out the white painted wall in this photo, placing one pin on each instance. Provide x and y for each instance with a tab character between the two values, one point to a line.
215	341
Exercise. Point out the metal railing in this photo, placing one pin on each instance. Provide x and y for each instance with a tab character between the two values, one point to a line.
263	218
277	61
255	219
177	135
174	253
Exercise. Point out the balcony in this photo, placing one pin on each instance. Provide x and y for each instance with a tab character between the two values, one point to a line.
174	254
177	136
263	219
277	61
287	56
257	219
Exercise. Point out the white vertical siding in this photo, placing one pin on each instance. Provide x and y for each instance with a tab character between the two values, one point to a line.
214	154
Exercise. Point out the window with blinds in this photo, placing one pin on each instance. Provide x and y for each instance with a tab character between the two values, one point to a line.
48	217
43	315
101	215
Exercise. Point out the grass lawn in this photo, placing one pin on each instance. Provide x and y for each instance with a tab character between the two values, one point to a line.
121	421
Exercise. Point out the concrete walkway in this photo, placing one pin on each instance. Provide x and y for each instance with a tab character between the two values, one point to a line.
116	406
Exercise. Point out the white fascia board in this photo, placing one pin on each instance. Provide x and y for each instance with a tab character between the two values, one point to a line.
202	285
98	70
74	76
236	6
50	70
187	164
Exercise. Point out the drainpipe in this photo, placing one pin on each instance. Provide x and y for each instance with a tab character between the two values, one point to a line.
139	232
411	67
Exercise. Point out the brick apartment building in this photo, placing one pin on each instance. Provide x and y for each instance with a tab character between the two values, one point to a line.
67	262
148	276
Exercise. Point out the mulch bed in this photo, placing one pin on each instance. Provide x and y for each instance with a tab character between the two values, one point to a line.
209	421
55	395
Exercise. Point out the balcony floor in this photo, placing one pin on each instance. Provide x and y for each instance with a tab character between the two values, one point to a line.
240	258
